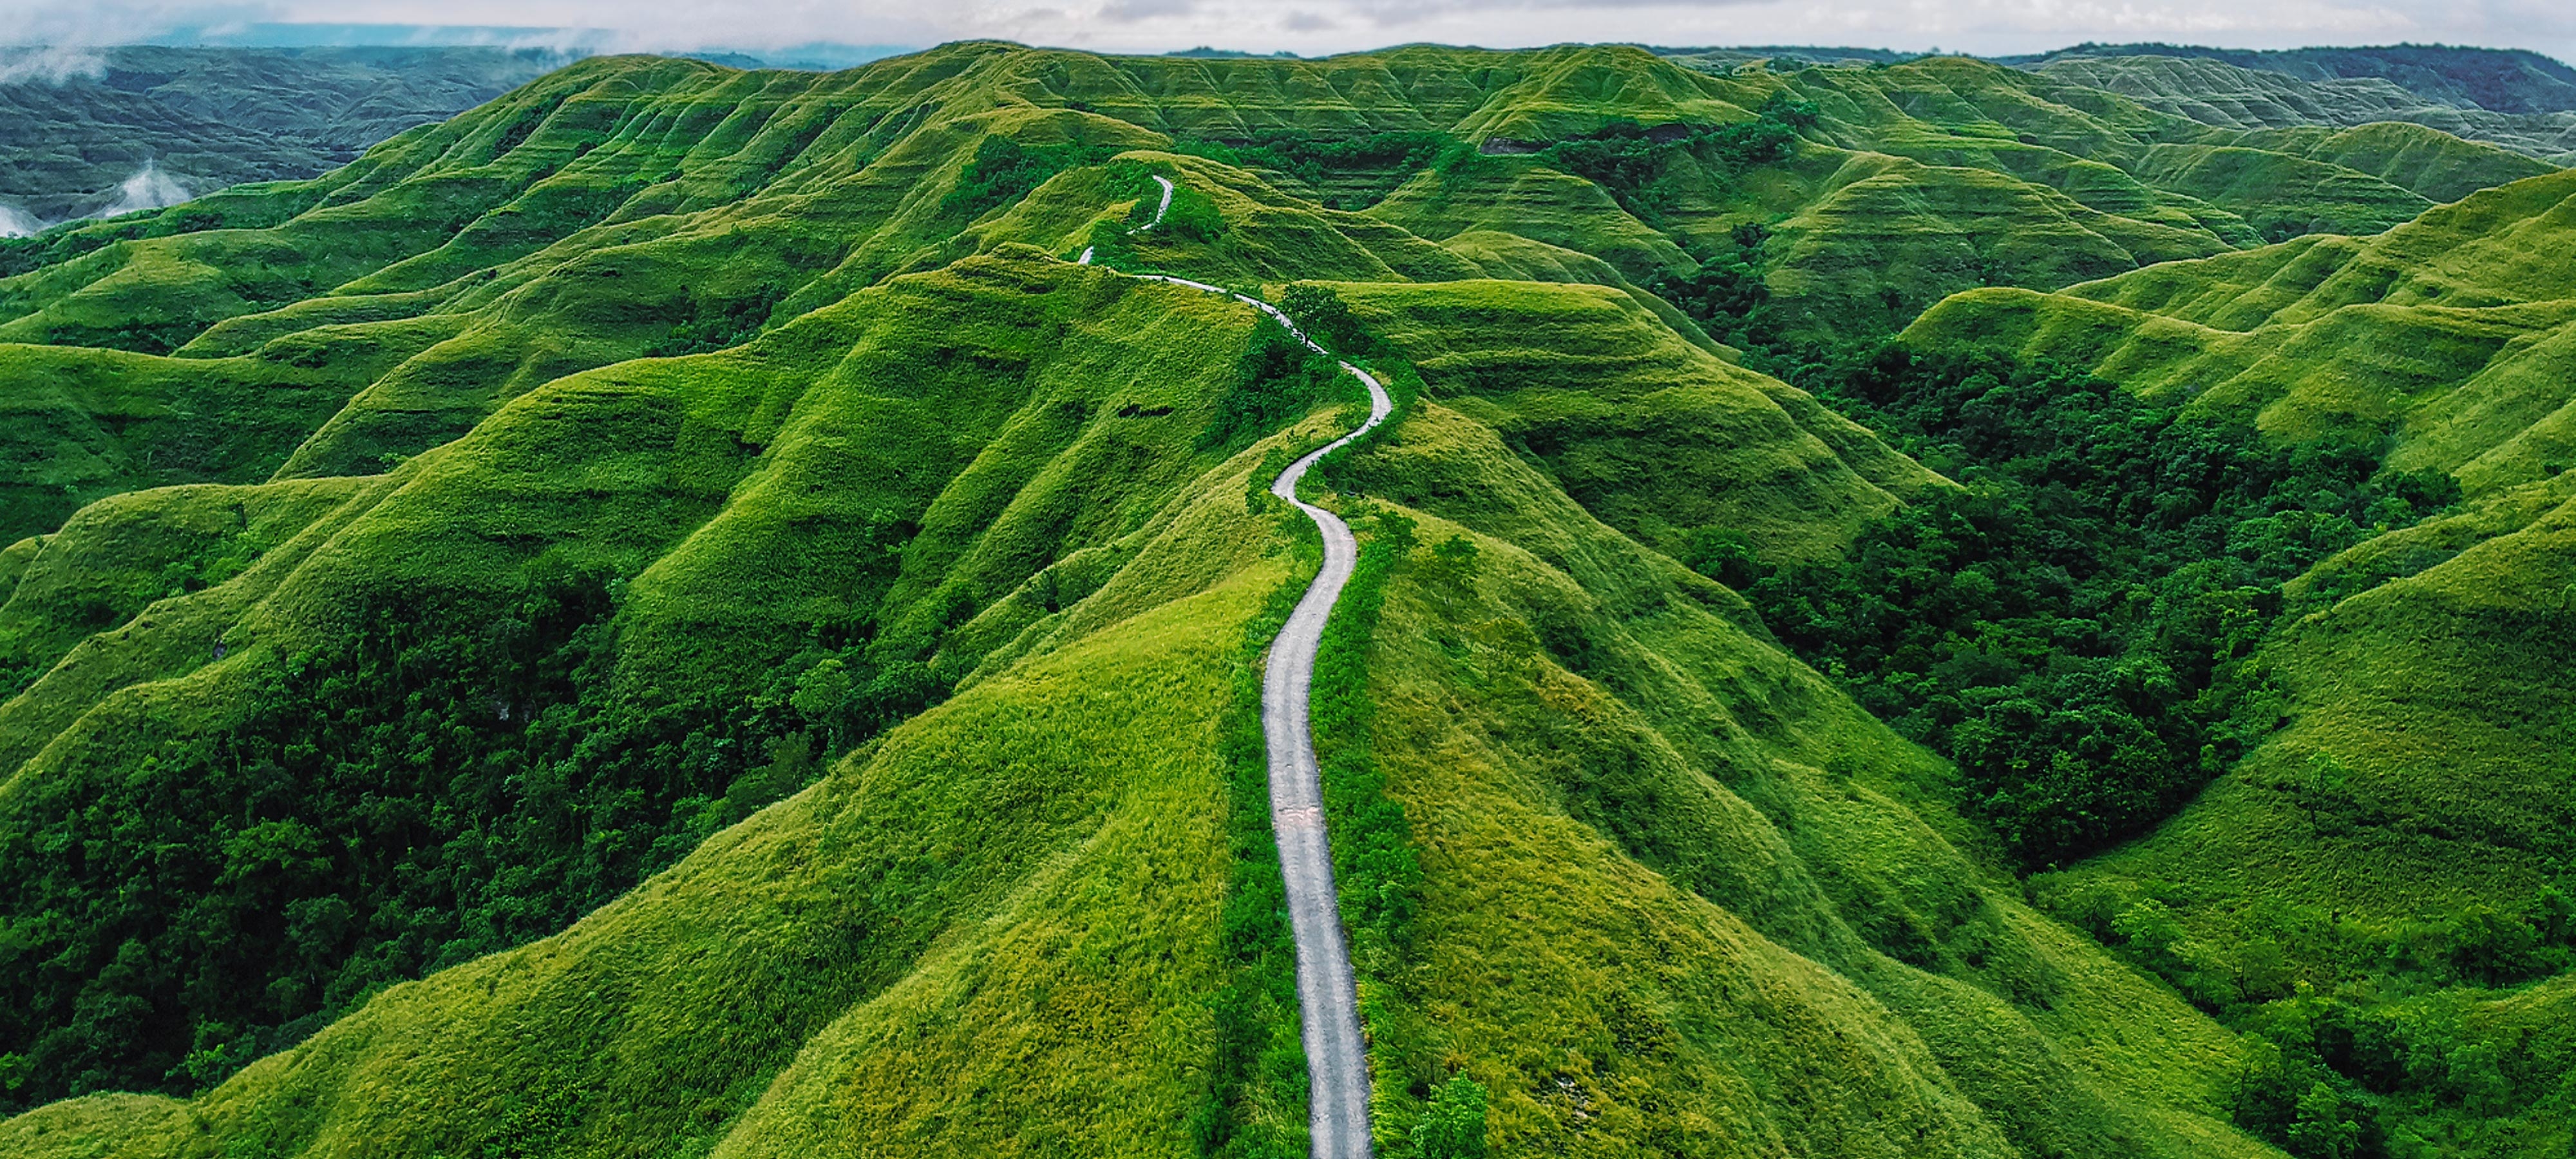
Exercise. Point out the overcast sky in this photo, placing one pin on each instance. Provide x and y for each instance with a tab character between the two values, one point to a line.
1322	26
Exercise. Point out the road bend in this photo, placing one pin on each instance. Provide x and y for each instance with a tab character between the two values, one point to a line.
1327	993
1336	1057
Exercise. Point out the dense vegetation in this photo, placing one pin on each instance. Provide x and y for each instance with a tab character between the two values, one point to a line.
1630	160
460	780
2073	626
1345	172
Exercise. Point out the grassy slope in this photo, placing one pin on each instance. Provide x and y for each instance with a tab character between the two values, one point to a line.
1935	175
564	226
2449	333
2230	96
2451	337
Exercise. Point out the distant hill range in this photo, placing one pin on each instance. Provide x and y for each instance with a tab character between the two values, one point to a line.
85	132
2499	80
2521	100
95	132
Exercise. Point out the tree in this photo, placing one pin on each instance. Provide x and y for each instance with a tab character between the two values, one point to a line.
822	696
2319	1130
1453	1125
2491	948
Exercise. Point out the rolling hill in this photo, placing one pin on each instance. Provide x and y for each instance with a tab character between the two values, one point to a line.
668	614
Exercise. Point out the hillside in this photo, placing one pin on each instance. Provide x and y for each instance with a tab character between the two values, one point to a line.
2419	769
117	129
669	614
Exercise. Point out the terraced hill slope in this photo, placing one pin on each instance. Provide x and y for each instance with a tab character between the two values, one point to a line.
667	614
2503	80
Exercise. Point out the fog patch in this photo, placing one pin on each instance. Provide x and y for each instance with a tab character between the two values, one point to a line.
14	223
49	64
149	188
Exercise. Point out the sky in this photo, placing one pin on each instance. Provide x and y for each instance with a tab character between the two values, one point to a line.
1312	27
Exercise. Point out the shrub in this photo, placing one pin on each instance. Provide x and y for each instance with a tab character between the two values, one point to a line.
1452	1126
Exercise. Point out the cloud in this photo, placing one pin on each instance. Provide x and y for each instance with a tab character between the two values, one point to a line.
1130	11
14	223
1308	22
49	65
148	188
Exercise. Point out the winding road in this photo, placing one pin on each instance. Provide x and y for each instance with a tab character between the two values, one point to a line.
1327	992
1336	1057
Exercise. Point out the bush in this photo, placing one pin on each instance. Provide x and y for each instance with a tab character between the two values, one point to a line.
1004	171
1452	1126
1627	158
1278	380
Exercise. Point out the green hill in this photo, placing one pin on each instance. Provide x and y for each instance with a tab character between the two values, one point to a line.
670	614
2411	780
2499	80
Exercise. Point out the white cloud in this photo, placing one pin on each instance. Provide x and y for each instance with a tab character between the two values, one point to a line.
49	64
148	188
15	223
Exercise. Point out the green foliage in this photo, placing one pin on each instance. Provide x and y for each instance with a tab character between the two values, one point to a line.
1727	288
2074	627
1628	159
1004	171
1327	319
1192	217
460	781
1278	379
719	325
1377	871
1452	1125
1374	862
1347	172
1256	1098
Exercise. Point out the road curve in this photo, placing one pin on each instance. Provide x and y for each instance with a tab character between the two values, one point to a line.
1336	1057
1159	211
1337	1071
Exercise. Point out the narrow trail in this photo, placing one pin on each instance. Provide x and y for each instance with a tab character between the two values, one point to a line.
1336	1057
1327	991
1159	211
